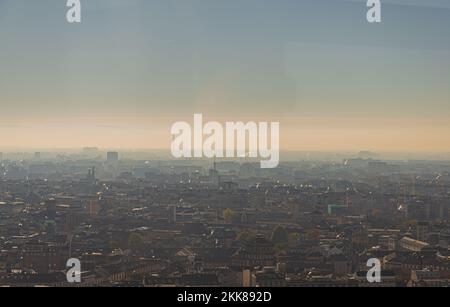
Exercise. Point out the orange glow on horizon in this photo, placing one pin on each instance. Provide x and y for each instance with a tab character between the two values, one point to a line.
296	133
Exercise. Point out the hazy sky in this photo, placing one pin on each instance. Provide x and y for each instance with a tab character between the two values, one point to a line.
133	67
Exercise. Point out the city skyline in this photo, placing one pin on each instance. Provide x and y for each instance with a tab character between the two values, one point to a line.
218	150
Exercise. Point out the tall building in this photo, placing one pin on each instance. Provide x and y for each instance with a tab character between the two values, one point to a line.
112	156
422	230
90	177
50	205
214	175
94	207
417	210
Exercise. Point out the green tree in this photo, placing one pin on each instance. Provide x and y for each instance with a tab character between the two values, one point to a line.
280	236
228	215
280	247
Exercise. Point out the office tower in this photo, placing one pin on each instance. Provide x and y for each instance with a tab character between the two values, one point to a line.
214	175
112	156
417	210
422	230
90	177
50	205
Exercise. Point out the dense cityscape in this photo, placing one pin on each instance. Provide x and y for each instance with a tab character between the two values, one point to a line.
161	222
